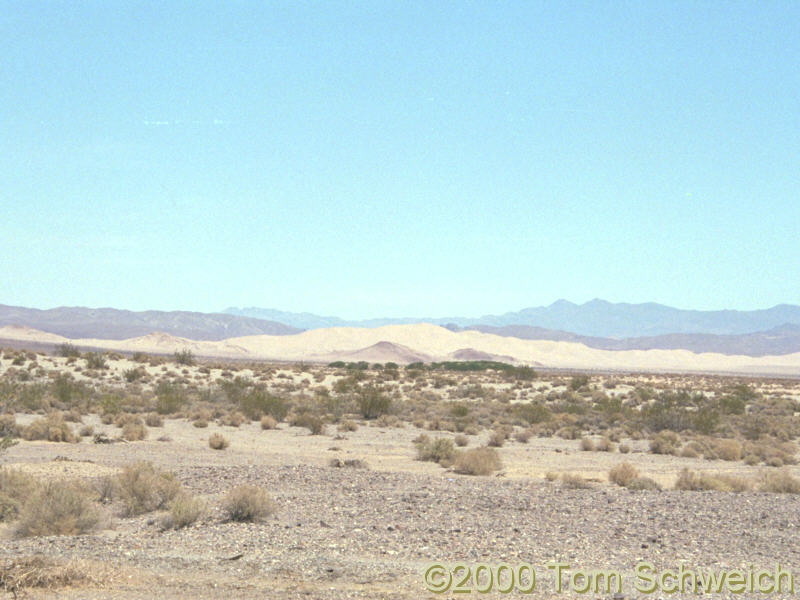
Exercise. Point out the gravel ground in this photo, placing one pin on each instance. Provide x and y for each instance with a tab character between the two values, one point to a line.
369	533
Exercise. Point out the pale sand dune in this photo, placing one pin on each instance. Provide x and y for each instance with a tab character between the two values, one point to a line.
403	343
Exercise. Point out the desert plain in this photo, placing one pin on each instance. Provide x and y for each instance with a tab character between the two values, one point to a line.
363	473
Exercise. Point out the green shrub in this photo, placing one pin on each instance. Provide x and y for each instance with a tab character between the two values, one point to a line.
184	357
258	402
170	398
440	450
95	361
67	349
372	402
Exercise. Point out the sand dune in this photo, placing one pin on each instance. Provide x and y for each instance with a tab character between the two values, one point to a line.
409	343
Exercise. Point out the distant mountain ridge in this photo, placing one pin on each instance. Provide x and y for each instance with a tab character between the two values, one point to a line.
111	323
596	318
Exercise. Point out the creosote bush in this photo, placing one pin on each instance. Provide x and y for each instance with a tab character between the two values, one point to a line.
440	450
247	503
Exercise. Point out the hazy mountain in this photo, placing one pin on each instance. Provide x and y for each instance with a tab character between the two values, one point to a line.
110	323
596	318
777	341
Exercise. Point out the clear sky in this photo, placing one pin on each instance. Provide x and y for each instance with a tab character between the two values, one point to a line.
373	159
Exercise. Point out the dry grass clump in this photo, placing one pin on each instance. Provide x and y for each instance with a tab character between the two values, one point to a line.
134	431
350	463
15	489
217	441
623	474
665	442
58	507
51	428
586	444
184	510
698	482
348	425
604	445
477	461
268	422
440	450
247	503
154	420
574	482
24	573
643	483
779	482
523	436
143	488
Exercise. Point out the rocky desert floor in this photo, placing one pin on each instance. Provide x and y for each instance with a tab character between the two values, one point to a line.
371	531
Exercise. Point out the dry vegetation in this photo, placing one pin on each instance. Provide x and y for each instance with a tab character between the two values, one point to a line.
473	421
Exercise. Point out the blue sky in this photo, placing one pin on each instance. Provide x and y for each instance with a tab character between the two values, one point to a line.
375	159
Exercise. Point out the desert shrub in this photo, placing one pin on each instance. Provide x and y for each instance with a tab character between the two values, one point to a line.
9	427
258	402
779	482
170	398
604	445
665	442
622	474
348	425
95	361
86	431
692	481
574	481
477	461
728	449
642	484
184	357
143	488
497	438
310	421
268	422
551	476
184	510
624	448
67	349
15	488
154	420
135	374
247	503
461	440
51	428
533	413
218	442
233	419
351	463
21	574
440	450
578	382
586	444
523	436
67	391
134	431
59	507
372	402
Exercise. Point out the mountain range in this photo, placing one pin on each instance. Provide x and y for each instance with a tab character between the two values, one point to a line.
596	318
597	324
